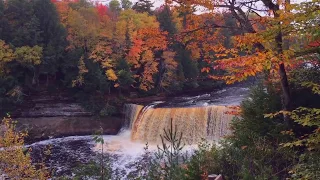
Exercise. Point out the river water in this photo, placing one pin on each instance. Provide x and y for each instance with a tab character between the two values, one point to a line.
197	117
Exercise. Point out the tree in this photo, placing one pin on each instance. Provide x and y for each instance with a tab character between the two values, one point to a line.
15	160
260	50
23	23
126	4
114	6
165	18
143	6
139	35
5	27
53	36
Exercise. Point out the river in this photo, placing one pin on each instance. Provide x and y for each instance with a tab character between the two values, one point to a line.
197	117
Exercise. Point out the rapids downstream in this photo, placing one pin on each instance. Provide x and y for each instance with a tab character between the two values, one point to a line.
197	117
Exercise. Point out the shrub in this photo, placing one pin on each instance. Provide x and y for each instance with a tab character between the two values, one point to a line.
166	163
15	160
253	151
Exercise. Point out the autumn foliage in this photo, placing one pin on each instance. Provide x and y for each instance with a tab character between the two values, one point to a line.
15	161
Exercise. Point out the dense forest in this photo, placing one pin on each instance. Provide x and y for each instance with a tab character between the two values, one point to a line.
99	50
107	54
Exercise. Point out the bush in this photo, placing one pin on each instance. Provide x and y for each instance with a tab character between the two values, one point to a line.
166	163
15	160
253	151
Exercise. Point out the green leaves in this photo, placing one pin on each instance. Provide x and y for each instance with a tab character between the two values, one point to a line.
97	137
29	55
25	55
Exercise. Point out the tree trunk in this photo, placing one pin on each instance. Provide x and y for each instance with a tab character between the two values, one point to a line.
286	97
285	88
161	71
282	71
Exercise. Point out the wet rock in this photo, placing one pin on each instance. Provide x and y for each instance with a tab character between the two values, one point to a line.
45	127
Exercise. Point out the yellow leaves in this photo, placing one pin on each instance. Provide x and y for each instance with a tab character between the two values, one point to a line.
14	162
314	87
83	28
129	22
29	55
305	117
79	81
6	55
101	53
24	55
111	75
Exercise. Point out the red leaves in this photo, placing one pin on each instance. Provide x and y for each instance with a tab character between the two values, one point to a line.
102	9
234	110
205	69
315	43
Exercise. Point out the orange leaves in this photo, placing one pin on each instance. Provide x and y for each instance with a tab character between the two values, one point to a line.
153	37
247	41
170	66
135	51
101	53
146	42
146	79
205	69
241	67
234	110
63	9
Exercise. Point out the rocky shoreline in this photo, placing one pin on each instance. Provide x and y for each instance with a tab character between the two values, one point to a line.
55	115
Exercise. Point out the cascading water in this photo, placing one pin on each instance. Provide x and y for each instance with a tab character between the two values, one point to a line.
195	123
131	112
197	117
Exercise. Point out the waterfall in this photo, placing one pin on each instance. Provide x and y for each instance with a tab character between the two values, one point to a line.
195	123
131	111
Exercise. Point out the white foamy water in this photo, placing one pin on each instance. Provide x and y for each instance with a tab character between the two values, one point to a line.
198	117
127	151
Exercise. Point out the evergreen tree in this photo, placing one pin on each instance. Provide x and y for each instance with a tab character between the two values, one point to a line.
114	6
164	17
53	36
143	6
5	28
126	4
25	26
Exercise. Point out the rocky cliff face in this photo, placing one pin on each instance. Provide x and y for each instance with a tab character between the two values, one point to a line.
47	115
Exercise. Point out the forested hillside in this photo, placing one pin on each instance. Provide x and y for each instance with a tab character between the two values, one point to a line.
98	50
